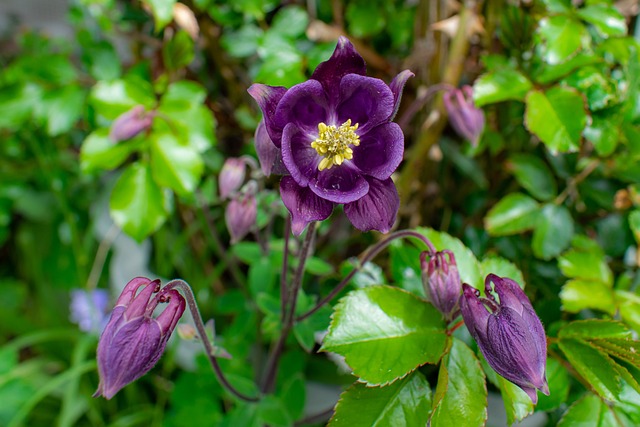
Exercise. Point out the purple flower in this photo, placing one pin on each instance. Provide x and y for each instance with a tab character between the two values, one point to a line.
231	176
133	340
240	215
441	282
464	116
509	333
131	123
335	137
88	309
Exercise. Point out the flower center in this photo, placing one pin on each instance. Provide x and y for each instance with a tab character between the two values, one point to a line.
333	143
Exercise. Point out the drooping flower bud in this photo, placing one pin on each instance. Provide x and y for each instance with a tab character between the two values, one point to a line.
464	116
508	332
241	214
441	282
133	341
131	123
231	176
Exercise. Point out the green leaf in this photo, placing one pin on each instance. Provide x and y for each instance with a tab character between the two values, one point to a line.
500	85
138	205
634	223
178	52
162	11
175	164
261	276
587	264
242	43
513	214
17	103
594	328
557	117
290	21
461	393
272	412
562	37
503	268
517	403
577	295
384	333
629	306
605	18
589	411
63	107
365	19
110	99
406	402
553	231
98	152
534	175
604	133
558	379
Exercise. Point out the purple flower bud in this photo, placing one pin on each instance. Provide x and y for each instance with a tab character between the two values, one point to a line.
231	176
508	332
88	309
464	116
133	340
130	124
240	215
441	282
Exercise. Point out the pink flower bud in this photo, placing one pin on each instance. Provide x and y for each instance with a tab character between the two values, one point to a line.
441	282
240	215
130	124
464	116
231	176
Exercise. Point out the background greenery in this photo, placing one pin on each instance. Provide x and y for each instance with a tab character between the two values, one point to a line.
550	196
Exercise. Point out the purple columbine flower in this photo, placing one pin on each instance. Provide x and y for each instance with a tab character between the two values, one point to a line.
441	282
131	123
508	332
464	116
133	340
335	137
88	309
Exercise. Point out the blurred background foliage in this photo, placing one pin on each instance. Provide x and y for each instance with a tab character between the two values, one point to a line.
552	187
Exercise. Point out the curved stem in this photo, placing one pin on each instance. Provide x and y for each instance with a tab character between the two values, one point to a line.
285	268
197	319
367	256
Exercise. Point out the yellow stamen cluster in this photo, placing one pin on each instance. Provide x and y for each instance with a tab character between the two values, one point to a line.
333	143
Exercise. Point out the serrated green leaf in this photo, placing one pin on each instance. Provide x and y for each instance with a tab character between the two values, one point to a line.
110	99
577	295
384	333
513	214
534	175
461	393
162	11
503	268
406	402
586	264
138	205
175	164
605	18
561	37
186	116
629	306
558	380
500	85
589	411
557	117
553	231
594	329
290	21
98	152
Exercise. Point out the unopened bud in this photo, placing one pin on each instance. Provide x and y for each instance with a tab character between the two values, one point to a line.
130	124
231	176
441	282
464	116
240	215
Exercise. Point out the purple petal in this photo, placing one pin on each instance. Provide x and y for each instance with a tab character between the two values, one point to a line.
269	155
380	151
474	313
168	319
345	60
305	105
377	209
305	207
396	86
268	98
510	293
340	184
298	156
365	100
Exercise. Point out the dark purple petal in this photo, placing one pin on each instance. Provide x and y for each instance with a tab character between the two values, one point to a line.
305	207
340	184
377	210
345	60
365	100
268	98
269	155
298	156
396	86
168	319
474	312
441	282
305	105
510	293
380	151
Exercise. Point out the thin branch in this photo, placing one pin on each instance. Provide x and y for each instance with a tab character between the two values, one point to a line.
285	269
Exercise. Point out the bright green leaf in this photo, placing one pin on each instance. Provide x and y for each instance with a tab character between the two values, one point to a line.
500	85
634	223
557	117
503	268
553	231
534	175
461	393
290	21
406	402
558	379
562	37
603	133
174	164
98	152
162	11
138	205
595	328
513	214
384	333
589	411
577	295
586	264
178	52
605	18
110	99
64	107
365	19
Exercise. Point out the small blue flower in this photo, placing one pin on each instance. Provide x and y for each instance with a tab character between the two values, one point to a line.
89	309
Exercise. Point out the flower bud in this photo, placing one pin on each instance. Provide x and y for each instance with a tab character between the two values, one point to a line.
130	124
441	282
240	215
231	176
508	332
464	116
133	341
